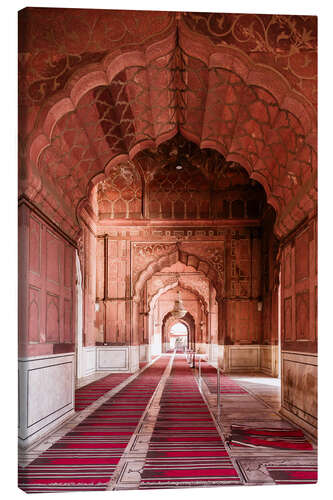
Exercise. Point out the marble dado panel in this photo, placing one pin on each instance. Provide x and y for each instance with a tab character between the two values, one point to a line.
134	358
88	360
299	389
213	353
144	352
112	358
241	358
46	395
269	359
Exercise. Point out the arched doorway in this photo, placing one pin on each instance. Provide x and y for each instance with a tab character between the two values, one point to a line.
178	336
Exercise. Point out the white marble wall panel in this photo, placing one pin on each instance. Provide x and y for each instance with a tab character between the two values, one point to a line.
134	355
214	353
269	359
112	358
299	389
46	395
144	353
156	344
242	358
88	356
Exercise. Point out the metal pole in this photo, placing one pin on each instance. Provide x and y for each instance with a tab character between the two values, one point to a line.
218	393
200	370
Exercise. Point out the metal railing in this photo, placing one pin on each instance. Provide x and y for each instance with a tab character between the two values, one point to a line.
218	392
190	357
218	383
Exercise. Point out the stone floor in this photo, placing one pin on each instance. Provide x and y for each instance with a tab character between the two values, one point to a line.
258	407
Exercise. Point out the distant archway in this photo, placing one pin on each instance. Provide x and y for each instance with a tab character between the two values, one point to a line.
178	336
169	321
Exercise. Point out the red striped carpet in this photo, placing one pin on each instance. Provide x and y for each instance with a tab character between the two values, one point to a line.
85	458
228	386
293	474
185	448
285	439
91	392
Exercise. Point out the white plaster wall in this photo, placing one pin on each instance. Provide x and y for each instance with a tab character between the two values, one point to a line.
46	395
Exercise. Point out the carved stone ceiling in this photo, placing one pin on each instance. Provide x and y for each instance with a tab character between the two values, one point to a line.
98	87
180	181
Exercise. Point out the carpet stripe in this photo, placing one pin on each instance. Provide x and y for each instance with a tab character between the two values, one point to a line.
227	385
185	448
87	456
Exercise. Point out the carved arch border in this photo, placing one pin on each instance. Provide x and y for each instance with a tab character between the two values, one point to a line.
168	260
170	286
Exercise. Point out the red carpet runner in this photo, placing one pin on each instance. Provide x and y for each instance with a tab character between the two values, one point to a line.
284	439
91	392
86	457
228	386
185	448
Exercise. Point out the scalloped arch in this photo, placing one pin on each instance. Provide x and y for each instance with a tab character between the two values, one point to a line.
244	110
170	286
166	261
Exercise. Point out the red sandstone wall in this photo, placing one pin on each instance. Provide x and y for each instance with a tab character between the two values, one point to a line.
46	287
299	326
243	288
299	290
89	287
112	287
236	259
270	279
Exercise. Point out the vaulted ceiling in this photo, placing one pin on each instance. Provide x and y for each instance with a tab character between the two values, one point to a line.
99	89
